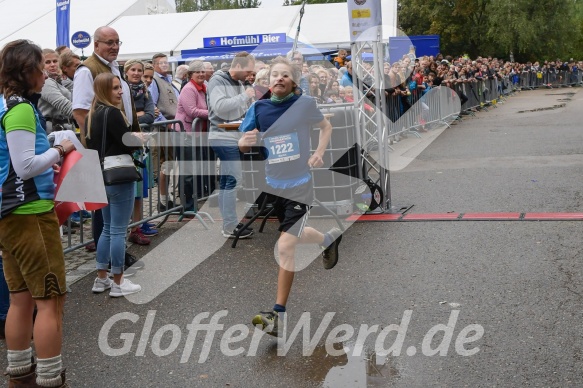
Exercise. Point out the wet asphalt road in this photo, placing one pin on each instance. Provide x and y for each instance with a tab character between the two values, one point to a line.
518	284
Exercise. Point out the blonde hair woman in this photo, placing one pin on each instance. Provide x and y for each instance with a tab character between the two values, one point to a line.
55	101
116	215
262	84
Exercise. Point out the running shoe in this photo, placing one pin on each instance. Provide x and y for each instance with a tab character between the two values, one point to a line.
268	322
246	233
330	253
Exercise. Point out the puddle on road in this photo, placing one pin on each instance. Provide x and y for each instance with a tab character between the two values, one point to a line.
545	108
347	371
569	94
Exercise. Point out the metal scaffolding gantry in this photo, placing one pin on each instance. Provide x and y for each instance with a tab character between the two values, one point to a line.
371	124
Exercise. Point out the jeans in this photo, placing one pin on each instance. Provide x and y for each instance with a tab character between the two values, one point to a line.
116	218
230	175
4	294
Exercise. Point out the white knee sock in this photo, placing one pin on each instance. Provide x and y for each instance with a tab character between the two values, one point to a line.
48	371
19	361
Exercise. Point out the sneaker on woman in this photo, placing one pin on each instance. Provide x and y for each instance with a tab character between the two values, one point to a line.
125	288
137	237
100	285
148	230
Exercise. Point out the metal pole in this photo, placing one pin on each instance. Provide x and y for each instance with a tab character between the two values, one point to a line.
295	45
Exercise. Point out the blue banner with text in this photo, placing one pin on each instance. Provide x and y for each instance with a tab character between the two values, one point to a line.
63	20
243	40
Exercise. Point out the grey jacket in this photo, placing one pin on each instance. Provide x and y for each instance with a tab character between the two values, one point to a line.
227	101
55	101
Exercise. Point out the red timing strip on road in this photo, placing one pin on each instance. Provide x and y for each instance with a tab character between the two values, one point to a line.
491	216
466	217
431	217
553	216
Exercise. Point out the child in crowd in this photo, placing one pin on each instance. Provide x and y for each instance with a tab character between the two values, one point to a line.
331	97
348	97
340	60
341	93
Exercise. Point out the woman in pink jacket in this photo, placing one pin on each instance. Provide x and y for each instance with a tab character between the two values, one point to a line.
192	110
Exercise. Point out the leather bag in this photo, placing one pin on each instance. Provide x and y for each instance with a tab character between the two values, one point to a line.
117	169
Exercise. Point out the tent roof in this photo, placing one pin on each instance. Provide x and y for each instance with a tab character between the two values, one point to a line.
323	25
14	19
36	19
159	33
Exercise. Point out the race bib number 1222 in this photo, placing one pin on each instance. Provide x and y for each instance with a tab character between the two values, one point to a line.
283	148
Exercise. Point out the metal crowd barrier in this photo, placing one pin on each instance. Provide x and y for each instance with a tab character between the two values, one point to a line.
547	78
159	146
197	170
419	111
334	191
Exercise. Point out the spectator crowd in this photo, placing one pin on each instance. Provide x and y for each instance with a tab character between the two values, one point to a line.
99	96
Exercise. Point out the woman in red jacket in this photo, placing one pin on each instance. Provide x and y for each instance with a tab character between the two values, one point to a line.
192	110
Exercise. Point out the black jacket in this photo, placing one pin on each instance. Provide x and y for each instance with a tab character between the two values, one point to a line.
116	127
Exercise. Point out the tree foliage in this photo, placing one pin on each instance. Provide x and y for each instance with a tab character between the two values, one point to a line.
299	2
532	30
207	5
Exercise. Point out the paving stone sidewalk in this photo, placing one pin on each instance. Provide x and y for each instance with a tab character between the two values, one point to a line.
81	262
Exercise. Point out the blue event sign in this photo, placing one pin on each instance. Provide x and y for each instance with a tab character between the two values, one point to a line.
81	39
243	40
63	20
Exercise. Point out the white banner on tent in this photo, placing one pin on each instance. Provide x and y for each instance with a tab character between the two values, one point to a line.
365	19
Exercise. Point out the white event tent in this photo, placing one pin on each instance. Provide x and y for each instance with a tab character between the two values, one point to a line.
323	26
36	19
145	32
155	34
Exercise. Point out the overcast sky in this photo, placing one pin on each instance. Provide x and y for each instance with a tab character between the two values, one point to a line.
271	3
